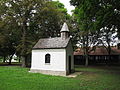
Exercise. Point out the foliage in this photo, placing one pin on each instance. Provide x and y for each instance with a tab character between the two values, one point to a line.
23	23
86	33
92	17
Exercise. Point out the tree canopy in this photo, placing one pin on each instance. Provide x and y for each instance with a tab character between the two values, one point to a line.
23	23
99	18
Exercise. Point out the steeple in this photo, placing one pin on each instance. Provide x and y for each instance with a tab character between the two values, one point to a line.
64	31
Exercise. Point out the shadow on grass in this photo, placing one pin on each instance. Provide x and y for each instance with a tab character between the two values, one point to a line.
98	69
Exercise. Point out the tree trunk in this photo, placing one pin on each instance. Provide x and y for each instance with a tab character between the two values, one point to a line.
86	60
109	53
109	59
86	57
4	58
10	59
23	61
26	60
19	59
24	39
24	50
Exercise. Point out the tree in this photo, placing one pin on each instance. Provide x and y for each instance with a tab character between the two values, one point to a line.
86	31
96	15
7	39
107	38
28	21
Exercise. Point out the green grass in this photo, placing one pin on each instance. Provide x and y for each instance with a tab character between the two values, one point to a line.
92	78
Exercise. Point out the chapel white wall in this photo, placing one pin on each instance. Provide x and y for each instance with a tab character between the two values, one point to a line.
57	61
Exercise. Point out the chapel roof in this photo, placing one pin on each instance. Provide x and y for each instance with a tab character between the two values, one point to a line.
51	43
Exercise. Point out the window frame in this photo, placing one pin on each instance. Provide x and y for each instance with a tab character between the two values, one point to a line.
47	58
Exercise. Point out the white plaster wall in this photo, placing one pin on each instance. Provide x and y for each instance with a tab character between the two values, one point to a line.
69	52
57	62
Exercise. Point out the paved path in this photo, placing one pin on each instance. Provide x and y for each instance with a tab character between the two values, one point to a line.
75	74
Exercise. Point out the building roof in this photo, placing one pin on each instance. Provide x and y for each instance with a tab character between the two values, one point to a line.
64	28
51	43
99	51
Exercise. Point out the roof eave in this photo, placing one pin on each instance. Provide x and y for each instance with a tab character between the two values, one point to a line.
48	48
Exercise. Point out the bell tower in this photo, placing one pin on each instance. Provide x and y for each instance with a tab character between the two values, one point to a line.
64	31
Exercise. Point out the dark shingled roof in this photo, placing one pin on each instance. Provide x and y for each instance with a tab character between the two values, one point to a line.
48	43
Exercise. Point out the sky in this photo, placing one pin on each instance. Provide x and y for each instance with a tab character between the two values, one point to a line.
67	5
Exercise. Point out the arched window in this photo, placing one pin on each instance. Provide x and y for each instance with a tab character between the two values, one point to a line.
47	58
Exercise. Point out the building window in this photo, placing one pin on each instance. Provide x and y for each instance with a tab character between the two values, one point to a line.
47	58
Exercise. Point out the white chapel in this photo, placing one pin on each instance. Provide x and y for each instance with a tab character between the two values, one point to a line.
53	56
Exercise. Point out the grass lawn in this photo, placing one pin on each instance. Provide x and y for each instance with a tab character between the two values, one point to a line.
92	78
